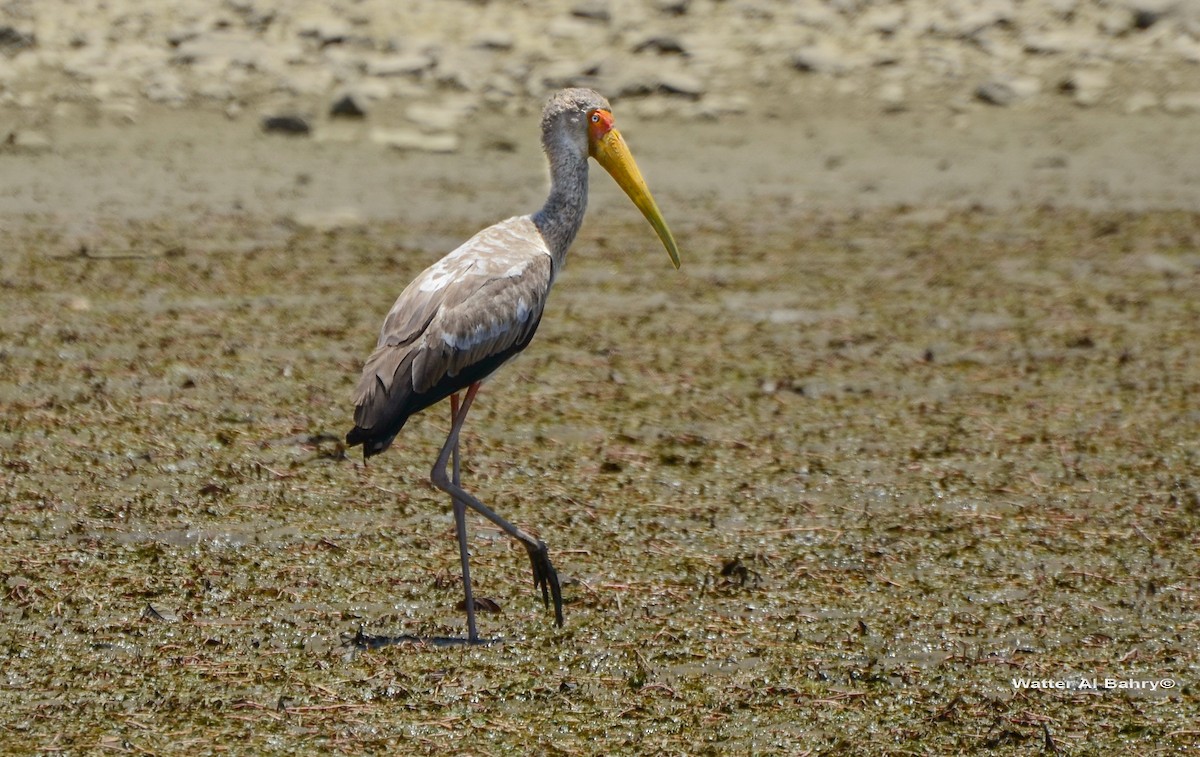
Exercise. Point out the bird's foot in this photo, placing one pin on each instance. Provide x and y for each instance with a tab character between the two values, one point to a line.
545	577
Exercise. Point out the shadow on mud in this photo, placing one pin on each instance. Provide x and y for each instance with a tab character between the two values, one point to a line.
362	642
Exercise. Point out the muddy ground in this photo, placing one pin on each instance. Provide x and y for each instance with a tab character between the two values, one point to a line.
917	417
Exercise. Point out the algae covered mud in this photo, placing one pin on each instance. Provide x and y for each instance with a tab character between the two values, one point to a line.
846	483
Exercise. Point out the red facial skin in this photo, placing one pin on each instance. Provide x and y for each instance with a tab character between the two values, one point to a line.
600	122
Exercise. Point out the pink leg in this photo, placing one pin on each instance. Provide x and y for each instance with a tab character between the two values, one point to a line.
460	526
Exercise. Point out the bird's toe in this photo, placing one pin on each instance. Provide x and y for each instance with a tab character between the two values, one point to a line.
545	577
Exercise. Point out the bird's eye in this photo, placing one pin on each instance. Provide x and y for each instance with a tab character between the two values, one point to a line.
595	118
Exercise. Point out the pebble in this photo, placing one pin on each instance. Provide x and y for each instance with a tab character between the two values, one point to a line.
680	83
165	86
969	20
721	105
436	118
592	10
823	58
417	141
222	49
329	220
13	39
1116	21
27	141
495	39
328	30
658	43
570	73
368	90
893	97
243	52
672	7
1147	13
288	124
1139	102
884	19
398	65
1182	102
642	80
1086	86
1187	48
1008	90
347	105
1055	42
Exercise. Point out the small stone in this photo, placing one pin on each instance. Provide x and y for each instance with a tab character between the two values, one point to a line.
1086	86
411	139
1055	42
347	106
165	86
1063	8
329	220
823	58
717	106
659	43
886	19
648	80
569	73
655	108
1182	102
288	124
592	10
327	30
495	39
301	80
1165	264
893	97
1008	90
981	17
1116	22
569	29
1187	48
398	65
1147	13
219	49
1141	101
672	7
435	118
817	15
369	90
13	39
680	83
120	110
27	141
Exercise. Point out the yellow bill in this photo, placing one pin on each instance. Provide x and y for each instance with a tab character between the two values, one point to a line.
610	151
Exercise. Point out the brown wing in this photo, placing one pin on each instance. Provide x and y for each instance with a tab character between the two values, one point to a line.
455	323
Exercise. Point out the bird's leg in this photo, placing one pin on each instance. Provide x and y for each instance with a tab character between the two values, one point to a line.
460	526
544	575
454	404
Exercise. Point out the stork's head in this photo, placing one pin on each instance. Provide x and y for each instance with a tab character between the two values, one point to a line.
581	120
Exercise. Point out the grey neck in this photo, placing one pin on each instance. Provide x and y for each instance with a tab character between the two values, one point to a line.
560	218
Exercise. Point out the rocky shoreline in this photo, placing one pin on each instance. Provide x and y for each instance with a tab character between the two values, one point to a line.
432	65
328	114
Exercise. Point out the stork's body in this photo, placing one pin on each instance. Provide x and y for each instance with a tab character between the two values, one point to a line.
453	325
471	311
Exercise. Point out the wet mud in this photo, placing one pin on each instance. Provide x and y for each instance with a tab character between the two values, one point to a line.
829	488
